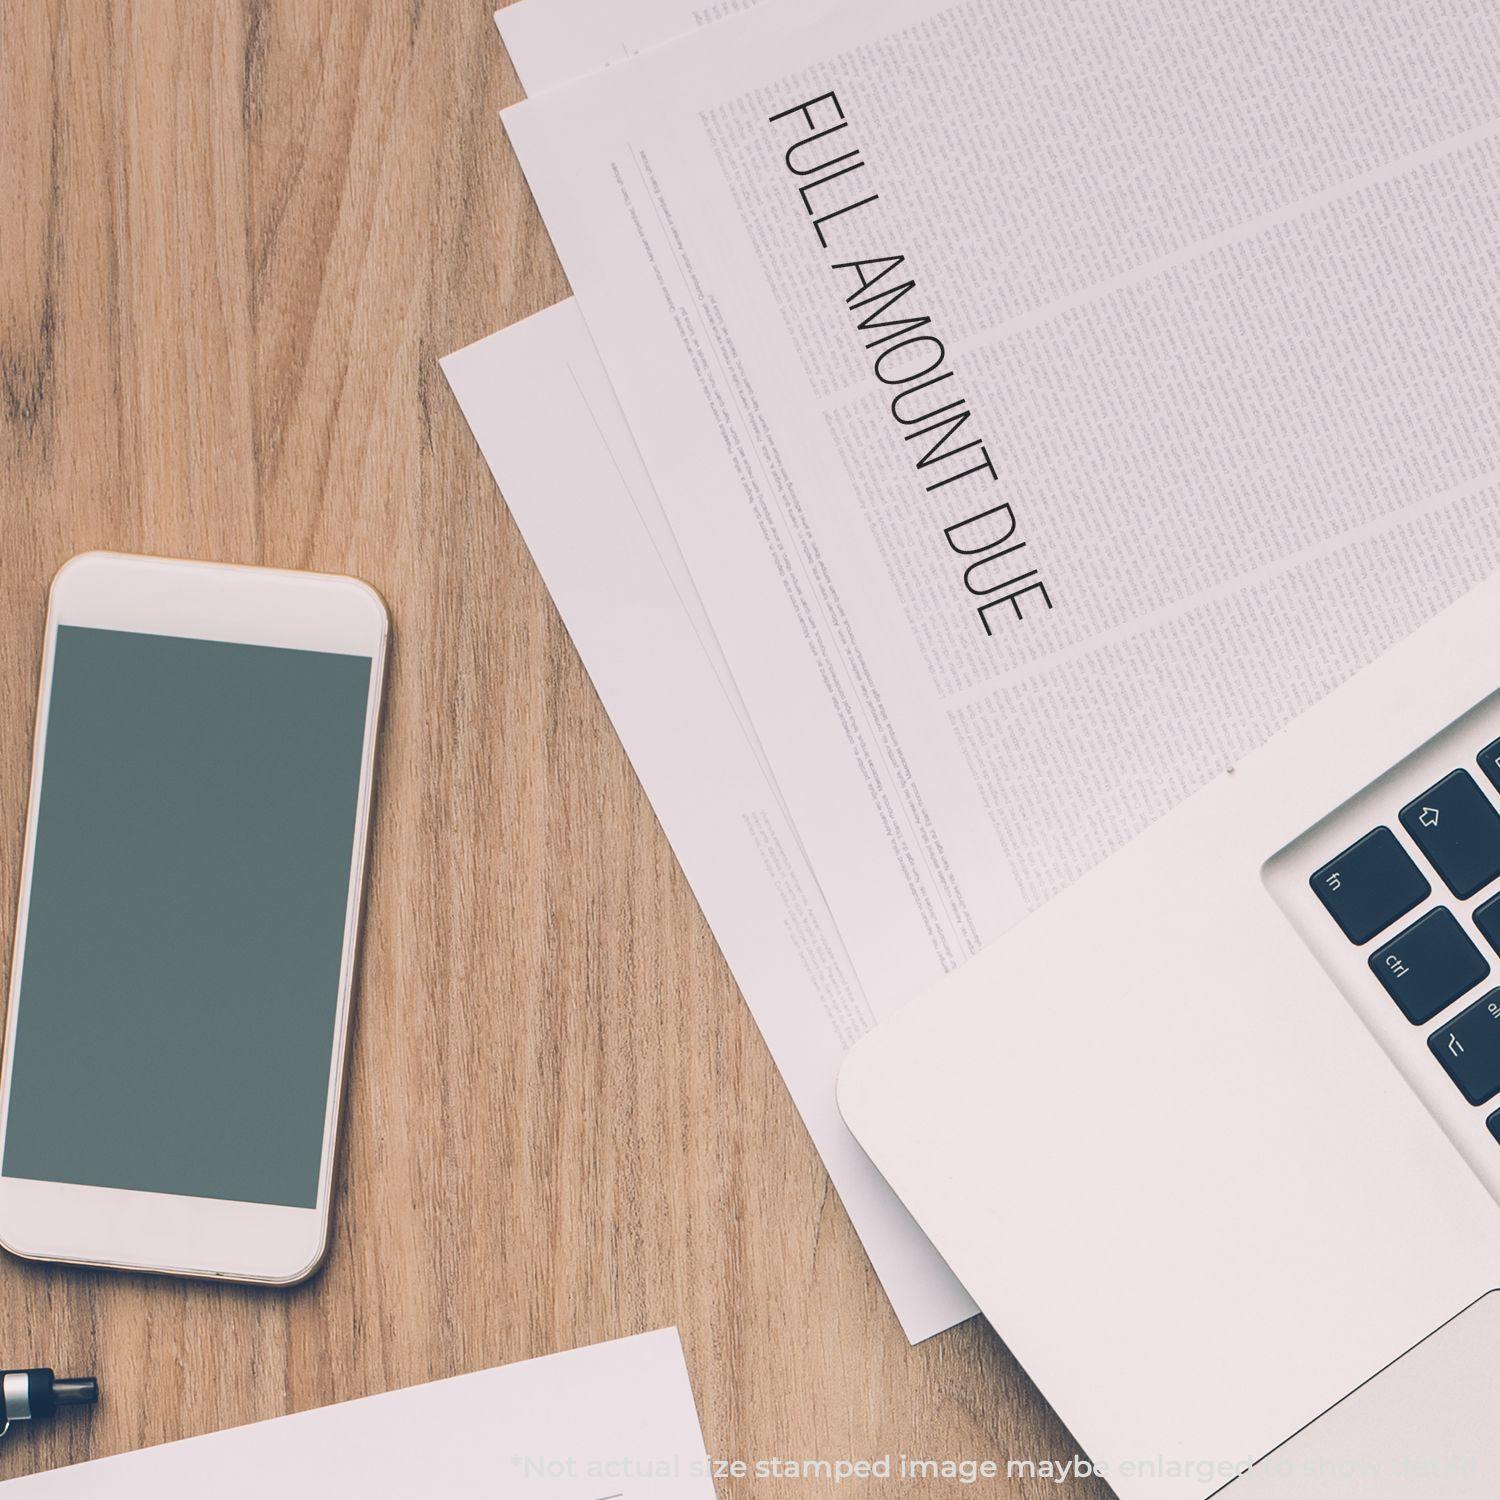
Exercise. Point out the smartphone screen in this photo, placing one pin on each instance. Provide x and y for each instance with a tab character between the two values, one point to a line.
185	926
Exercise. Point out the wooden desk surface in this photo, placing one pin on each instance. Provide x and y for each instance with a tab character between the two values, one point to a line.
234	241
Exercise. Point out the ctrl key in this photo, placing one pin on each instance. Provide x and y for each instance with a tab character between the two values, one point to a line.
1469	1048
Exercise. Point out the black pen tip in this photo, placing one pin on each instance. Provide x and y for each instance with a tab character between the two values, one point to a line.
75	1392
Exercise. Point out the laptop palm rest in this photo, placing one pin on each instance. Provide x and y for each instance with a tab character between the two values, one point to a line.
1422	1429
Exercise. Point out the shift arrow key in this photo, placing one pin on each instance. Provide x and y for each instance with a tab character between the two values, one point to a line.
1456	826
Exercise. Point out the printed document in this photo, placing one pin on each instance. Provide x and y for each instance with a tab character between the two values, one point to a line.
1046	408
555	41
552	432
611	1422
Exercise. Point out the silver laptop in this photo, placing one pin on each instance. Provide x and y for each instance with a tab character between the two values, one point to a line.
1213	1138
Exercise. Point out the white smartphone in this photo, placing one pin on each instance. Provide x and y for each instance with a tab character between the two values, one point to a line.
189	910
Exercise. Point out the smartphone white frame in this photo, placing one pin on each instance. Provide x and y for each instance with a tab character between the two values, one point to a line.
160	1232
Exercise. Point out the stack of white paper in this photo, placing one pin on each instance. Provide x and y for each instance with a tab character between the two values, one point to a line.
977	427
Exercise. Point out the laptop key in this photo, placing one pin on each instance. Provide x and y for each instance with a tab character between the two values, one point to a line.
1456	826
1487	920
1372	884
1494	1123
1469	1048
1429	966
1489	763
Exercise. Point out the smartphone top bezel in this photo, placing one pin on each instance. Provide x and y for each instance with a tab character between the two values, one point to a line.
218	602
208	601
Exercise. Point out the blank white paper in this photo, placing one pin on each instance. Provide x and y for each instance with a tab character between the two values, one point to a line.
615	1421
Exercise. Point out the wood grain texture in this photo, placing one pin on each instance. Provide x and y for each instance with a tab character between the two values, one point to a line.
234	240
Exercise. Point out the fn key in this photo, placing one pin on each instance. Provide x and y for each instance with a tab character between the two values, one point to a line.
1370	885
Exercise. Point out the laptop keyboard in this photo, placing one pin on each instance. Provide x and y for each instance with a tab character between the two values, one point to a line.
1437	964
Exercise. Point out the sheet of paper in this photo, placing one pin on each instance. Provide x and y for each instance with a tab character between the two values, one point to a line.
555	41
551	430
611	1422
1047	411
552	42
